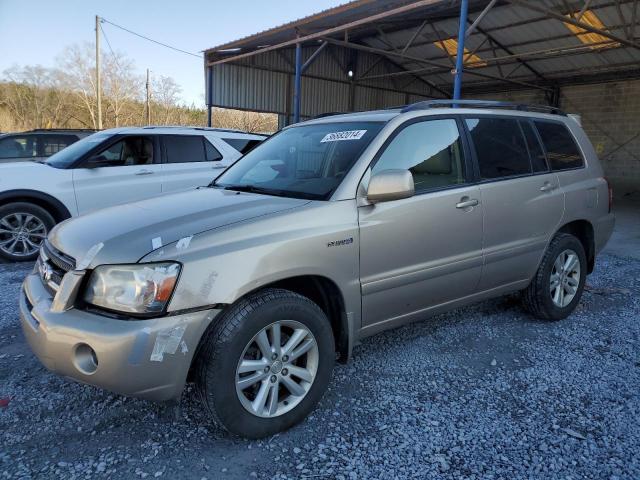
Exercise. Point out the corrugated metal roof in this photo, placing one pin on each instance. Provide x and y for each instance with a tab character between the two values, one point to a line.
515	45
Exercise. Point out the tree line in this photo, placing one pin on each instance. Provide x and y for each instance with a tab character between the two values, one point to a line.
64	96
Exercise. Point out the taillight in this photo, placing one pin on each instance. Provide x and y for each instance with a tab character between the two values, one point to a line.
610	194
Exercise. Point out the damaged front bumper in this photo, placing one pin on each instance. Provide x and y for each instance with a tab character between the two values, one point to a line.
143	358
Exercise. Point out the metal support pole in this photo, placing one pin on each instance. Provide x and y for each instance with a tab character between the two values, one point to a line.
98	76
148	89
457	86
209	83
480	17
297	84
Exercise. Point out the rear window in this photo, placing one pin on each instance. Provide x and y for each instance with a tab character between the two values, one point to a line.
500	147
51	144
562	151
184	148
243	145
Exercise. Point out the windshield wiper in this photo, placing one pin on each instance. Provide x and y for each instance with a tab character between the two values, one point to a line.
269	191
255	189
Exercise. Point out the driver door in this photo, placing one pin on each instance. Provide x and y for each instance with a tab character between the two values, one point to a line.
128	170
424	251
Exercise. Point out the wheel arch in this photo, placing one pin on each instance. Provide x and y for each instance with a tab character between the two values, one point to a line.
321	290
583	231
54	206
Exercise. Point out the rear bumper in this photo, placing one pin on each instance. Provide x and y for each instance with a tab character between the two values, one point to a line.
603	230
143	358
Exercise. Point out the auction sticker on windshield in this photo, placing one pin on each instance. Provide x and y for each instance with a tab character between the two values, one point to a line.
346	135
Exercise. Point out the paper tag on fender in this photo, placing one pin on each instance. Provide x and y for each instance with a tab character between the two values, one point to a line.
340	136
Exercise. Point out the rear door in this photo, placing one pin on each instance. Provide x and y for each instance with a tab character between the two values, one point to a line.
420	252
189	161
127	169
523	203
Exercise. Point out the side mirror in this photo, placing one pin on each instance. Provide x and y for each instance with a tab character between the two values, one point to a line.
390	185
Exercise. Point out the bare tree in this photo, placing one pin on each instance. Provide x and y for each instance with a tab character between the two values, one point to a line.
78	74
166	95
121	88
33	96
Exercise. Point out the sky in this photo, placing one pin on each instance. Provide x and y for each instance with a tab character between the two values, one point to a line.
35	32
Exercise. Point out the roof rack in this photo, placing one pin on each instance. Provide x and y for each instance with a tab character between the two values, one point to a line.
326	114
63	130
208	129
482	104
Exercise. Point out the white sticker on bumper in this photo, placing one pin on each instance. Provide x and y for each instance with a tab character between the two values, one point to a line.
167	341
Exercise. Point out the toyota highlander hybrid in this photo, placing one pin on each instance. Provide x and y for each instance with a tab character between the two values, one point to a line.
332	230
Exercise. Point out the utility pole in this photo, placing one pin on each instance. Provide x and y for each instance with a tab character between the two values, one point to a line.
148	100
98	79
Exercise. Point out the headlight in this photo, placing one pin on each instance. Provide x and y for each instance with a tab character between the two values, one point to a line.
138	289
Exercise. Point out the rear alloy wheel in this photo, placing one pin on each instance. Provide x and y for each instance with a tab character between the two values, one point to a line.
565	278
23	228
265	363
557	286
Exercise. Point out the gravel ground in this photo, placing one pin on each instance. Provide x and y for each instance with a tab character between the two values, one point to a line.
482	392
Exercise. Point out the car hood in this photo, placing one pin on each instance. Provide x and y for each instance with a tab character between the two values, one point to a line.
126	233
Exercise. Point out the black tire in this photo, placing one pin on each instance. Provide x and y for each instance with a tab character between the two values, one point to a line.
26	208
537	296
224	343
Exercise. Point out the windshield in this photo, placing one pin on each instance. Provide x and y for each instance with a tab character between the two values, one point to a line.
67	156
308	161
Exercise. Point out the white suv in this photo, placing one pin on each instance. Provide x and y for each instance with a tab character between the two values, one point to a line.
107	168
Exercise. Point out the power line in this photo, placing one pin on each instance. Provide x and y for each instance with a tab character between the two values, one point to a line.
149	39
113	54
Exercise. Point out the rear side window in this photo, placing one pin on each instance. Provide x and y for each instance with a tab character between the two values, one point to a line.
50	144
500	147
213	155
18	147
562	151
538	160
242	145
184	148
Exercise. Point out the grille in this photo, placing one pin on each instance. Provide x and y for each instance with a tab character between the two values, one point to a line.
53	265
57	258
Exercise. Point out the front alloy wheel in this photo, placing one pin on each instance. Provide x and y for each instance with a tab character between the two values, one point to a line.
21	234
277	369
265	363
23	228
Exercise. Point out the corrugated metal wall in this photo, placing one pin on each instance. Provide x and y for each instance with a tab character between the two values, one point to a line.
265	83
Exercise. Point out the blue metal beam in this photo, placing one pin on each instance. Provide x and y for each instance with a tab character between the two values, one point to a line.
314	55
209	95
297	84
457	86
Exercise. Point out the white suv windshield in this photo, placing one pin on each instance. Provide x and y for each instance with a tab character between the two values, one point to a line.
66	157
308	161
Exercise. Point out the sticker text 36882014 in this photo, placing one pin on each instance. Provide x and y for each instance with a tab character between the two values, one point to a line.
341	136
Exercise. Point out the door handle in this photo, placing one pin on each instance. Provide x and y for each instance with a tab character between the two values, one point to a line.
218	167
466	202
144	172
547	187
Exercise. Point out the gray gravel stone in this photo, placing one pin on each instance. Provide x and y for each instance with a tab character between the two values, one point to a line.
482	392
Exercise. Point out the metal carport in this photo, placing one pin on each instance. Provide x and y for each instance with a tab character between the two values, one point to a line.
368	54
